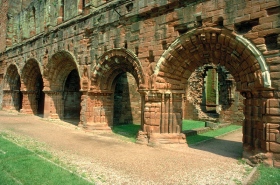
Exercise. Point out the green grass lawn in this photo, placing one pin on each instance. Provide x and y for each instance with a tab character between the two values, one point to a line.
191	124
129	131
211	134
267	176
21	166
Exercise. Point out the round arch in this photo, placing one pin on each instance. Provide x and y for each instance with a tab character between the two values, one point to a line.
62	86
32	87
212	45
30	71
12	96
58	68
11	74
239	56
114	62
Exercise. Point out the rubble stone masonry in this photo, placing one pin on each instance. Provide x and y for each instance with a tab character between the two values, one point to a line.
64	58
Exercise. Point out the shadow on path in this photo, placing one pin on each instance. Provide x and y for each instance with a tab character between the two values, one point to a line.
228	145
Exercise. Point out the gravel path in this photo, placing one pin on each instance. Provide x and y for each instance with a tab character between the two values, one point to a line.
109	159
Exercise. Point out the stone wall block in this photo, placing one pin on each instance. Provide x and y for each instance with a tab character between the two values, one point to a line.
274	147
273	111
271	119
273	103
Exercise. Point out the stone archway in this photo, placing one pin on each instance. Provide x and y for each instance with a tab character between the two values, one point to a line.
12	96
104	78
32	88
127	100
218	46
72	96
58	84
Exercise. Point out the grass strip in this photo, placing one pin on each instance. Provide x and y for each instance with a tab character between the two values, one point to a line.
129	131
194	139
267	176
21	166
192	124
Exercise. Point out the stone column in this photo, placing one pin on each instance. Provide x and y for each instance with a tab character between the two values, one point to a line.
271	120
162	118
261	128
11	100
53	106
7	100
84	109
29	103
99	111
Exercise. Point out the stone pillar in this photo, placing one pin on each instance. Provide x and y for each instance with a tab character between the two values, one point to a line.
162	118
99	111
84	114
29	102
261	128
7	100
53	106
11	100
271	119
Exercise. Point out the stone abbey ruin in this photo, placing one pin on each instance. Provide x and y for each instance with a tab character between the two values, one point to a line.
152	62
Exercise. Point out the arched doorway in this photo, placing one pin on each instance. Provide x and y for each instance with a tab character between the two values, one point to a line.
220	47
115	98
32	88
12	96
72	96
62	86
127	101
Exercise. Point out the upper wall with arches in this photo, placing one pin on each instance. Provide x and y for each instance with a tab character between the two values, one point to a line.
149	31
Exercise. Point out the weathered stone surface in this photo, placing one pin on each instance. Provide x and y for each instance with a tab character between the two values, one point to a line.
274	147
43	43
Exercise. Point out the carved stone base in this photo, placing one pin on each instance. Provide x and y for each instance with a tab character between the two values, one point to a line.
96	126
160	138
27	111
255	156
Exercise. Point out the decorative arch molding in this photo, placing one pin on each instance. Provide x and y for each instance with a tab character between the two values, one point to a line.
29	74
212	45
58	68
260	59
114	62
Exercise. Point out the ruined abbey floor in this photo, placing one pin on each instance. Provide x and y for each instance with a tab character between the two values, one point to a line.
109	159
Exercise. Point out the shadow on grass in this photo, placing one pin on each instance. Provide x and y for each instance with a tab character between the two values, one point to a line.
129	131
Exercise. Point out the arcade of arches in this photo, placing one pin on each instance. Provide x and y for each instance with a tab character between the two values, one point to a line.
153	72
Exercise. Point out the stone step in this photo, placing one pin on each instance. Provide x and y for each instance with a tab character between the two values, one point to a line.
196	131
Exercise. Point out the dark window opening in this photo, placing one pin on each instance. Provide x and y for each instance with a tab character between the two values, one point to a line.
271	42
245	26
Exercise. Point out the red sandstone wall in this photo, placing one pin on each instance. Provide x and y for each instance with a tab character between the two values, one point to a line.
3	24
147	31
